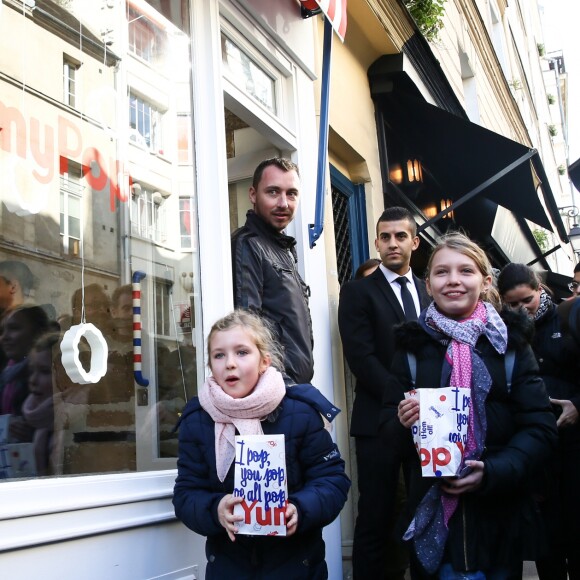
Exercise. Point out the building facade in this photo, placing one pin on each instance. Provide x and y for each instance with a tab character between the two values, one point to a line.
129	132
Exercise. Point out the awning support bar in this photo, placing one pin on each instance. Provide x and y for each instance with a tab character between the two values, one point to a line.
465	198
544	255
315	229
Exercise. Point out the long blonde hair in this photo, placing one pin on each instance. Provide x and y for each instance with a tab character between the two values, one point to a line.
461	243
258	328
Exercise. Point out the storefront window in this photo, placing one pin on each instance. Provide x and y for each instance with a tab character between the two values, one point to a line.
99	278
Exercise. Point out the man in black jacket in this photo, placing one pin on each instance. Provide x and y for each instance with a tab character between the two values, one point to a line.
264	264
367	312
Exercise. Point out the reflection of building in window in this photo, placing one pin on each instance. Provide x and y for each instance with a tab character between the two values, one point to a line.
248	74
148	217
184	148
71	191
163	313
143	37
185	222
69	77
145	120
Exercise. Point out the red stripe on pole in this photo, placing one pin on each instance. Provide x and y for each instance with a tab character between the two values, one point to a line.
331	10
342	29
335	15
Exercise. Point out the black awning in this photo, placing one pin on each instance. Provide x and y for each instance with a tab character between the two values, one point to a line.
574	173
466	159
463	159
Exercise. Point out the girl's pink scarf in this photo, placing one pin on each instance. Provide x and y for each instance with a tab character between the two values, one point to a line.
39	413
244	414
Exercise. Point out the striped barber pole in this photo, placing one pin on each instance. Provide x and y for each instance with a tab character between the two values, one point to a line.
139	378
335	11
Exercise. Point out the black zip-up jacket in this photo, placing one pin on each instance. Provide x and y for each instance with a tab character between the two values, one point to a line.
266	280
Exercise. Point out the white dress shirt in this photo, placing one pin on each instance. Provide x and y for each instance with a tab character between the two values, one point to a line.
392	280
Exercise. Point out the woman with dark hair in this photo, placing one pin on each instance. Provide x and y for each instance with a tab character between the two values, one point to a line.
558	359
366	268
19	330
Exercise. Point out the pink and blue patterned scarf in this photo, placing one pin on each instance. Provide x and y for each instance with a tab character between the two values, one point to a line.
463	368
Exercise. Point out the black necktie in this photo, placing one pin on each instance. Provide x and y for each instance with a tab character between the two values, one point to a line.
408	302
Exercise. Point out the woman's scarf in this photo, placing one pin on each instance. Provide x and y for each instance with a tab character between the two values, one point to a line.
38	412
464	368
11	380
242	414
545	305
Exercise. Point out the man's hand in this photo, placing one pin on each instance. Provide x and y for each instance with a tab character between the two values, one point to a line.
408	412
226	514
569	414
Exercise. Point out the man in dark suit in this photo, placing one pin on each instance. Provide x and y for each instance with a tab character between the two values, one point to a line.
368	310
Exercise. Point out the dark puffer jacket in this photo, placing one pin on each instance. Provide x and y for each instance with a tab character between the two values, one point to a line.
317	486
557	355
498	524
266	279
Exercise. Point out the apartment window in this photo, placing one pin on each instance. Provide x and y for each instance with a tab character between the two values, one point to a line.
69	75
145	123
148	215
70	210
142	36
184	144
185	222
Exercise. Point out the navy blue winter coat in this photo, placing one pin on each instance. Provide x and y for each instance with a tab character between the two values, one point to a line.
317	486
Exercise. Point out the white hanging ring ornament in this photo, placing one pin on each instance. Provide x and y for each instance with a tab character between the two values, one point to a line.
70	353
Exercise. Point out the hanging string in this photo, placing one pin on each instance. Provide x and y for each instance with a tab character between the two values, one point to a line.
23	64
80	87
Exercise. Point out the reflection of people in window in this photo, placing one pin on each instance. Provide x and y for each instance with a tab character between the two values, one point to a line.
16	282
96	303
122	313
19	330
38	408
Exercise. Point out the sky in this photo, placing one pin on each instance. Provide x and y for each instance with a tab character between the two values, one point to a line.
560	27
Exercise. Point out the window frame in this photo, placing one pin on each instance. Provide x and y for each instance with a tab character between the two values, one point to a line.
71	187
70	69
138	104
357	215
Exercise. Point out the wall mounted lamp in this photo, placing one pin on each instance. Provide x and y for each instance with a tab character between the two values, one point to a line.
434	208
574	236
571	211
409	173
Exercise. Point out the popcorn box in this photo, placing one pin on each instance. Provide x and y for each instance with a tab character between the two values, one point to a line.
17	460
440	434
260	478
4	428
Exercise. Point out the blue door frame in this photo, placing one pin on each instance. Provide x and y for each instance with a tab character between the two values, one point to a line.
357	216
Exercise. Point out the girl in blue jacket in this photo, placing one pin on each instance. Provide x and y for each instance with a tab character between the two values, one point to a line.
246	395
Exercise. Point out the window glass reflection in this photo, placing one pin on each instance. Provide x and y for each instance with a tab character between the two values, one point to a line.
97	214
249	74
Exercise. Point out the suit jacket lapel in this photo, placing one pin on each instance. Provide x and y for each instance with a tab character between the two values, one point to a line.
424	298
387	291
